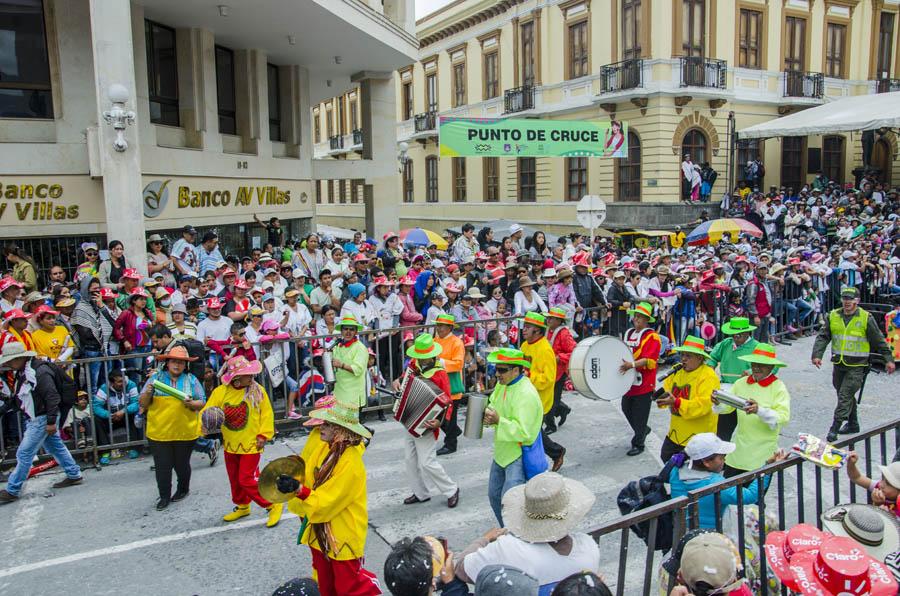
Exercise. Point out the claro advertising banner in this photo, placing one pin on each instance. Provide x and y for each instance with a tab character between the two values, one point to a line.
498	137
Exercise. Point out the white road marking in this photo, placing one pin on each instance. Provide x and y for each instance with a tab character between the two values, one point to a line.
122	548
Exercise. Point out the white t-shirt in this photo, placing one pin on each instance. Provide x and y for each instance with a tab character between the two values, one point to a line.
537	560
219	329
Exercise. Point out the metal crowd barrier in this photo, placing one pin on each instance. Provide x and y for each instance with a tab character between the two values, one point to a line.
802	492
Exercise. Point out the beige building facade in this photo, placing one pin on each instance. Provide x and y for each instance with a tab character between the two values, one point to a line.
122	117
683	75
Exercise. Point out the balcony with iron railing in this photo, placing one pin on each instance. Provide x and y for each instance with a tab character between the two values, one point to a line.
887	85
426	121
336	142
357	137
621	76
697	71
518	99
804	84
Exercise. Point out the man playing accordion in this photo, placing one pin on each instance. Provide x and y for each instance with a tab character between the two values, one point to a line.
424	473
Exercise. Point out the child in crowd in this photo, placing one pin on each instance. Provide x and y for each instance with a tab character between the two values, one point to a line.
885	491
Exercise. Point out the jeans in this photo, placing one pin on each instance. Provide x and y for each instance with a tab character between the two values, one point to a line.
203	445
34	438
135	367
93	369
501	480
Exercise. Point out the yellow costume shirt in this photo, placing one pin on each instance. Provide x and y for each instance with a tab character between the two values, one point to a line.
693	392
543	369
51	343
341	502
168	419
243	421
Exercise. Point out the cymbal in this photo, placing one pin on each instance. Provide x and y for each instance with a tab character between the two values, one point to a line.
292	465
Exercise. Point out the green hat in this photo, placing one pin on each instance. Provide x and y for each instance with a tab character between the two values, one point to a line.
536	319
424	348
693	345
737	325
850	292
445	320
763	354
644	308
558	312
344	416
509	356
349	321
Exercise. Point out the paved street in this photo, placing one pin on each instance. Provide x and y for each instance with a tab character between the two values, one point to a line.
104	537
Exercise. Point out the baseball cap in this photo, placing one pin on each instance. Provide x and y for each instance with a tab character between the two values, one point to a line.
710	558
704	445
188	230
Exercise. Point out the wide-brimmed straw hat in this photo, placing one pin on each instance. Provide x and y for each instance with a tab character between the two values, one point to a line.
239	367
14	350
177	353
737	325
643	308
346	417
564	273
424	348
323	403
474	293
876	529
546	508
763	354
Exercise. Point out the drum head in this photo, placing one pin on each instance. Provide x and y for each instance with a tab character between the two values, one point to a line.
599	377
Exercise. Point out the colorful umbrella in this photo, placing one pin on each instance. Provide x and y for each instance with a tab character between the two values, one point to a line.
422	237
710	232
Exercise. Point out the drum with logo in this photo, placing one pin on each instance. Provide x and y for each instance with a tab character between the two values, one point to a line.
594	368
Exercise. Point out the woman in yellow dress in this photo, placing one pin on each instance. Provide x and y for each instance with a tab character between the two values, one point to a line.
173	423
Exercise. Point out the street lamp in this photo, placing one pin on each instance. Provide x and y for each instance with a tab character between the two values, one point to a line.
118	116
402	155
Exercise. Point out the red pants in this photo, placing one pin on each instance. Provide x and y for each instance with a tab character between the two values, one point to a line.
343	578
243	474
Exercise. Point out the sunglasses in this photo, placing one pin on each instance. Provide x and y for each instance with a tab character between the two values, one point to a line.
503	369
91	253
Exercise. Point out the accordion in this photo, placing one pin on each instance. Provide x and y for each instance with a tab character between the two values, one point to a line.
419	401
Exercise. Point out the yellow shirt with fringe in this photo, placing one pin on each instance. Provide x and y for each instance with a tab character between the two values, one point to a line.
243	421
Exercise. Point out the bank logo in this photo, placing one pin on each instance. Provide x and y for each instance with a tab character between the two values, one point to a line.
155	197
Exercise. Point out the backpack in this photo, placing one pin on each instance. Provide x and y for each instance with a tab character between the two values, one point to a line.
65	385
196	350
646	492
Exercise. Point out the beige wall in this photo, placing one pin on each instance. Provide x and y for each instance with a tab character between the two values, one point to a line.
669	110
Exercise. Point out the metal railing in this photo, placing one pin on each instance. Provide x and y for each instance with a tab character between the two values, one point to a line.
426	121
621	76
357	136
796	504
518	99
887	85
336	142
804	84
92	435
697	71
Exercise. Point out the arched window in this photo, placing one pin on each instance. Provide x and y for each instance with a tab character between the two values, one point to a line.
695	144
629	171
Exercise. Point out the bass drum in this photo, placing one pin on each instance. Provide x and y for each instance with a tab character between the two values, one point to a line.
594	368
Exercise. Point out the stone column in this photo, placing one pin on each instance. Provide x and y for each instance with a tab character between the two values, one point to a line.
379	127
114	63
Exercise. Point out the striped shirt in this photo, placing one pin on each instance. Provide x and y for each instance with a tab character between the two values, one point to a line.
209	260
189	331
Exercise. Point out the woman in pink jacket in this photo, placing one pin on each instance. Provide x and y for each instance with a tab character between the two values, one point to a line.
409	316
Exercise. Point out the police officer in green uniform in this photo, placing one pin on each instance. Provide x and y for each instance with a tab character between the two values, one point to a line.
853	334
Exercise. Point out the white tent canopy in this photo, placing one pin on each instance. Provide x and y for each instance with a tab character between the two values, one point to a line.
338	233
862	112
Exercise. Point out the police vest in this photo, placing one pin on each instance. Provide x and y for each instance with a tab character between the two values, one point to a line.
849	345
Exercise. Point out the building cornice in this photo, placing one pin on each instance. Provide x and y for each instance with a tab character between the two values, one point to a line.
462	24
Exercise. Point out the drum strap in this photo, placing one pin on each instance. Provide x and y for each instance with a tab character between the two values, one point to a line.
634	339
